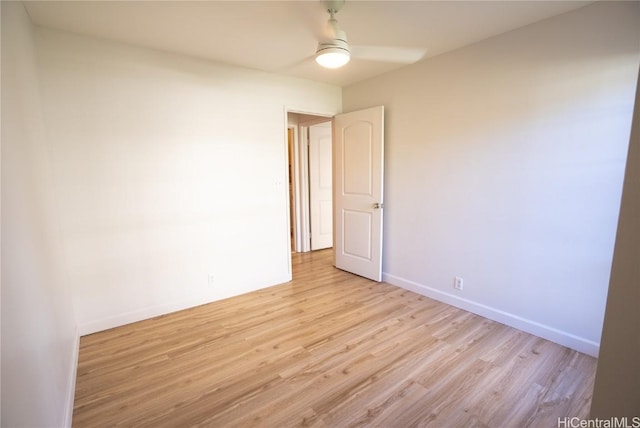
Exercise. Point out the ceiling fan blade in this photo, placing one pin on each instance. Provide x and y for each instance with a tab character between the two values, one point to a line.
294	65
395	54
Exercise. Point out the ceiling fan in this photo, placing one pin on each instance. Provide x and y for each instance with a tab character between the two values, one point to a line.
334	50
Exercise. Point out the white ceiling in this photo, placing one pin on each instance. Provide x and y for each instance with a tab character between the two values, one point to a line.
281	36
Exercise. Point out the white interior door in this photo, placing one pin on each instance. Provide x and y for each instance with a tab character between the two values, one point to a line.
358	158
320	186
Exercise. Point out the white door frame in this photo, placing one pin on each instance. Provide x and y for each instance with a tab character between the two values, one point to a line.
300	170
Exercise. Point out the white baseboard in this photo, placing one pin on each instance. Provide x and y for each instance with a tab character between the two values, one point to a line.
138	315
569	340
154	311
71	385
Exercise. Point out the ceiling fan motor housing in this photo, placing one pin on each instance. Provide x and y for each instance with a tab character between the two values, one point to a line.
339	42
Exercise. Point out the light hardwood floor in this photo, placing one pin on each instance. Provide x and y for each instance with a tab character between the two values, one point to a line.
328	349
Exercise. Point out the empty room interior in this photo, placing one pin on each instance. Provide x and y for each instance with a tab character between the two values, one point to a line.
203	225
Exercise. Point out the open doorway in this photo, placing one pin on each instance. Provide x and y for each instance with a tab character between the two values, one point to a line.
357	149
309	145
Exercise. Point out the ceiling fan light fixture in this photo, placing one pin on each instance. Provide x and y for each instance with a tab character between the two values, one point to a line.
332	57
334	54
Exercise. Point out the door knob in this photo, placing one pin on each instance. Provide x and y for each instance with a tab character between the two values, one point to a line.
377	206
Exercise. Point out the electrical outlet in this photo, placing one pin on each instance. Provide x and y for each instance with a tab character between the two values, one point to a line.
457	283
210	278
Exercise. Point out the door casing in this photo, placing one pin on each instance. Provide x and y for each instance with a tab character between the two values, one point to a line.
300	171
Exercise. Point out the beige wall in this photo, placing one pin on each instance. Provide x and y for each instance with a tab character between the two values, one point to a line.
39	334
167	169
617	387
504	166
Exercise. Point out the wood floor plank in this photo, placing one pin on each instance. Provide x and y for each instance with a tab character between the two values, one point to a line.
328	349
